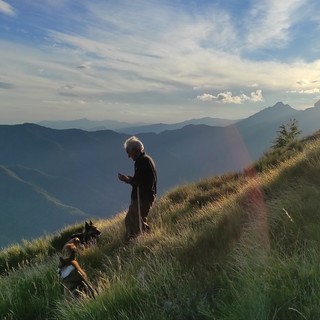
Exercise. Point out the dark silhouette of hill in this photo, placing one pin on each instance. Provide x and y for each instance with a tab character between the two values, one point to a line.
55	177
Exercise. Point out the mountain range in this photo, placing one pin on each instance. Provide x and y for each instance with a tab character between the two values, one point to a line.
125	127
53	177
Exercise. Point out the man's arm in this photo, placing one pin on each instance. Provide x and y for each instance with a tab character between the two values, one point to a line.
126	179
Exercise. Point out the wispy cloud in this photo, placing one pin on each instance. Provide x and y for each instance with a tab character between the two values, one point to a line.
269	22
6	8
5	85
308	91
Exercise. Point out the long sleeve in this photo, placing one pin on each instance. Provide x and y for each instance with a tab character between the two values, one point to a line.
145	177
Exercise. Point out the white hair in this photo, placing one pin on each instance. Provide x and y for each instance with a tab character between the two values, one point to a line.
133	143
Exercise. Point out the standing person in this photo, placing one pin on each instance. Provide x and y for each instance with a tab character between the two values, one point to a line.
144	188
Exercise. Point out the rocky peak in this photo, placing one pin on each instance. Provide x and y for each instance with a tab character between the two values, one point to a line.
317	104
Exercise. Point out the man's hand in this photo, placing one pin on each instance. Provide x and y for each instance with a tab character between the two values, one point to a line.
123	178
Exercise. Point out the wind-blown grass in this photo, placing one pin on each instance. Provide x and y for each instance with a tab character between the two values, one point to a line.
236	246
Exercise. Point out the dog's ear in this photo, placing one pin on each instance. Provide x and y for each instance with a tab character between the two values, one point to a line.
91	223
86	225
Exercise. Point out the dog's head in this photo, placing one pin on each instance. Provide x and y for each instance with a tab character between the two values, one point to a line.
91	232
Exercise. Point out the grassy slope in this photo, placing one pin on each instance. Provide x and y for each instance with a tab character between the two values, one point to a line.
237	246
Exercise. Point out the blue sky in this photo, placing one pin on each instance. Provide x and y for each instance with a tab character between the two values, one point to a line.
156	60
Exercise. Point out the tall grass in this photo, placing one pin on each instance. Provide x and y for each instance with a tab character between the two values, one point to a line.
29	293
29	252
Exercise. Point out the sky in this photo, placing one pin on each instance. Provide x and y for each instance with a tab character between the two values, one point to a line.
156	60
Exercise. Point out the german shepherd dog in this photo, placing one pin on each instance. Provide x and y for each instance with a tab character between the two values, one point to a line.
73	277
89	236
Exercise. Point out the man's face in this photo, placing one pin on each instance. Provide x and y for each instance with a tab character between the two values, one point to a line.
133	154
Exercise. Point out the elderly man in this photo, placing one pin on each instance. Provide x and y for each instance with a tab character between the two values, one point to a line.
144	188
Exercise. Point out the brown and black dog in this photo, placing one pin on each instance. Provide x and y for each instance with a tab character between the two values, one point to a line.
89	236
73	277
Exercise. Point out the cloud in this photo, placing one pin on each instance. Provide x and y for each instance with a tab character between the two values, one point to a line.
254	85
206	97
85	65
307	91
256	96
310	91
308	87
7	8
269	22
64	102
5	85
304	82
168	51
227	97
67	87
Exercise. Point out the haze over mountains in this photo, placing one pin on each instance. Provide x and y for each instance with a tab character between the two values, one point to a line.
50	177
124	127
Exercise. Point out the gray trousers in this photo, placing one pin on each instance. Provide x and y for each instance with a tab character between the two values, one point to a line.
132	218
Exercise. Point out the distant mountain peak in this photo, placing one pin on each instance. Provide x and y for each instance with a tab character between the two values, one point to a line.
278	107
280	104
317	104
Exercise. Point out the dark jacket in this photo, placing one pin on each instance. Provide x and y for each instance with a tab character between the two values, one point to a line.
145	176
